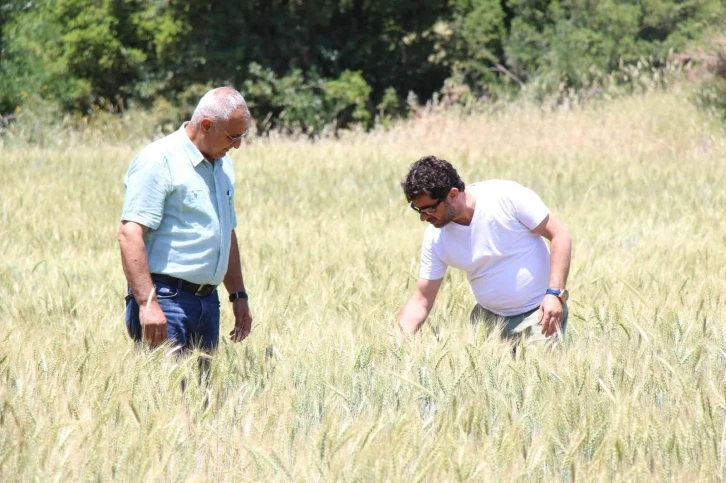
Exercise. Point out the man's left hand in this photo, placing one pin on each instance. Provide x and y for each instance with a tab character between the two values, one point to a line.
550	315
242	320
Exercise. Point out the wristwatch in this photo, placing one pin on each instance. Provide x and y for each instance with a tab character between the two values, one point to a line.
237	295
561	293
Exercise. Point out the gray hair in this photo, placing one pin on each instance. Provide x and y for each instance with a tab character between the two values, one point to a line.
220	104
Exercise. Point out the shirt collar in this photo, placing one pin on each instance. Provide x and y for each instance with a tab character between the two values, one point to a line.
195	155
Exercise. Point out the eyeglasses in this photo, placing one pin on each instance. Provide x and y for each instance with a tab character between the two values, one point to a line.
426	210
234	139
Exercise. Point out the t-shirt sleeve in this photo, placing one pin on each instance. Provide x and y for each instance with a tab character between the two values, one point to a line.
432	267
529	208
148	183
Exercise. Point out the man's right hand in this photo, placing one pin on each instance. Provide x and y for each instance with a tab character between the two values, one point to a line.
153	323
136	268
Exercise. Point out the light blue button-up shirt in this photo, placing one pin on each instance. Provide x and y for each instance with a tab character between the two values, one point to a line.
188	205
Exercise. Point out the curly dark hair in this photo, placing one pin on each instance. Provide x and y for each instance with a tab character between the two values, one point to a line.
432	176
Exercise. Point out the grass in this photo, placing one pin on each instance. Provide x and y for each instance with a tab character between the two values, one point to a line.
320	391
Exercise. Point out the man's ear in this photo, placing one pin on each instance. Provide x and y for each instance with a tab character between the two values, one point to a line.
453	194
206	124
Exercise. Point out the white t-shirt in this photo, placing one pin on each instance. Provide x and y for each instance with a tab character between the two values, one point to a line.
507	265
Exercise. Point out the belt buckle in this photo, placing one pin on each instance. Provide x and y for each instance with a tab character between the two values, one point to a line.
201	288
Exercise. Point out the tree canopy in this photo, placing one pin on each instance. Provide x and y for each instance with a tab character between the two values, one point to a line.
307	64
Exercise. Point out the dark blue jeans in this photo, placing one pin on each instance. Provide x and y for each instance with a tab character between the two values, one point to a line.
191	321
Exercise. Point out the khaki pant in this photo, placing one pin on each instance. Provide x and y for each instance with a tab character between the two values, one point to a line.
523	326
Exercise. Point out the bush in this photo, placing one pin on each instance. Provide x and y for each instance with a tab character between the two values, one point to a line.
712	93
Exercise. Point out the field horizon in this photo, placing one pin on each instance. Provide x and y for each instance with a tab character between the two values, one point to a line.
320	391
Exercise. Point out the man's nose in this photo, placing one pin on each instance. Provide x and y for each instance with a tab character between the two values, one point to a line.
423	217
237	144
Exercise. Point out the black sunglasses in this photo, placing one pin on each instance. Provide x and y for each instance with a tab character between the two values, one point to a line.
426	210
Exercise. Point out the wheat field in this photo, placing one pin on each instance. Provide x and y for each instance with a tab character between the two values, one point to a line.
321	391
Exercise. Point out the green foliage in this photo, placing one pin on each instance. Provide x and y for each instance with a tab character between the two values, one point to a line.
77	53
712	93
348	96
306	66
100	48
389	106
292	104
295	45
572	39
476	45
298	105
712	96
22	69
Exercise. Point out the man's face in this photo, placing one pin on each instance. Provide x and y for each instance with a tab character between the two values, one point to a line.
437	212
221	136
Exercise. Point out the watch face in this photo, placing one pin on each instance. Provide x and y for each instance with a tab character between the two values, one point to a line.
561	293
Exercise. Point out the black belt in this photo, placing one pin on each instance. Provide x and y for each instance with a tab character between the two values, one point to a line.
197	289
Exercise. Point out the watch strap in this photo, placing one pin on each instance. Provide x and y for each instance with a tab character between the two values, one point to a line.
238	295
561	293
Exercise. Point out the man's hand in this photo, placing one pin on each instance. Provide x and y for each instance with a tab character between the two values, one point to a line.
550	315
153	323
136	268
242	320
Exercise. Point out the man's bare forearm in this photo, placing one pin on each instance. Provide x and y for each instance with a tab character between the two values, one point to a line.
233	280
135	262
413	315
417	309
560	256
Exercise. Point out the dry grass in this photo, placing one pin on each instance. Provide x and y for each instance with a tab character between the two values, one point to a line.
320	391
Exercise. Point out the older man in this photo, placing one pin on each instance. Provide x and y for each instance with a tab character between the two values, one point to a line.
495	231
177	231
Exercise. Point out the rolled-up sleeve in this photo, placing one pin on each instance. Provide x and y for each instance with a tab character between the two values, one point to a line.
148	183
